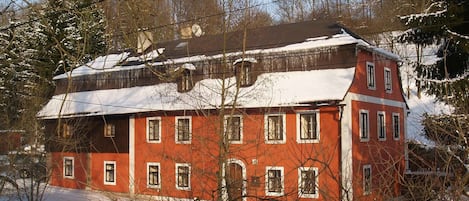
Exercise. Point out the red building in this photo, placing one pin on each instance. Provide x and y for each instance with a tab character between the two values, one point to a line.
294	111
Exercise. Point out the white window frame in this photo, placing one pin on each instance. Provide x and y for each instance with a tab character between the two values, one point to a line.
394	115
184	188
148	129
387	80
240	141
381	126
105	173
300	182
299	129
109	130
371	76
148	175
367	191
282	181
266	129
360	131
72	171
176	130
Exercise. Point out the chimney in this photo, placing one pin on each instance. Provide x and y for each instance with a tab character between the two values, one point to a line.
186	32
145	40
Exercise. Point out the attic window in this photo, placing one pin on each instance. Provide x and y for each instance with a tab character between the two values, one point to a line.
244	73
186	80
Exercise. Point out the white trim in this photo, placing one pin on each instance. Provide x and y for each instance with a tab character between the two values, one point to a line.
346	141
368	79
378	126
386	69
243	166
131	155
316	173
148	175
298	126
73	167
360	123
188	188
240	141
375	100
176	130
395	114
364	180
148	119
266	129
114	170
282	173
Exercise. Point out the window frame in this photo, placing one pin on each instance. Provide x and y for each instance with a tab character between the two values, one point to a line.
300	182
149	164
361	123
176	137
186	80
66	132
371	75
244	75
299	130
381	126
367	189
149	140
387	80
226	117
267	179
394	131
105	178
185	188
283	130
109	127
72	168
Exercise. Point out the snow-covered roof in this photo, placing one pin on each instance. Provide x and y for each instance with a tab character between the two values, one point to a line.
269	90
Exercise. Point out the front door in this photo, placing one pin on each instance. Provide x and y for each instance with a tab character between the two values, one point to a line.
234	181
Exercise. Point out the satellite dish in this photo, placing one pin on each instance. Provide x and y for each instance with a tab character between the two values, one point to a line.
196	30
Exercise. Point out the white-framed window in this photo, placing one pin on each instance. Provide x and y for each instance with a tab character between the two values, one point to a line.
154	130
109	130
183	176
183	130
308	182
234	128
274	181
307	127
69	167
387	80
381	125
274	128
370	75
364	125
153	175
396	126
110	172
367	179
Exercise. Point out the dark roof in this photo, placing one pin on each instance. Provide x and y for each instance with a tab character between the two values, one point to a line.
259	38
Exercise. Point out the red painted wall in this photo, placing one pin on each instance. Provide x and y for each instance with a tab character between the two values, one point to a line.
57	174
122	171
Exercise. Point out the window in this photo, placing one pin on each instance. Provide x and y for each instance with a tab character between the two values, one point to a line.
153	177
110	172
153	130
274	181
387	80
109	130
66	130
186	80
308	182
233	128
396	128
183	179
364	125
307	127
370	75
275	128
244	73
367	179
183	130
68	167
381	126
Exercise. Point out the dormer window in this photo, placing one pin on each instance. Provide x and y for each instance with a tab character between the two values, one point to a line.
186	83
243	69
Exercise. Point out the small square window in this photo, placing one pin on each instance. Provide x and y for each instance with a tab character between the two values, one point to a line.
387	80
153	177
233	128
370	75
308	127
110	172
109	130
274	181
183	130
183	173
153	130
367	179
68	165
308	182
364	126
381	126
275	128
396	128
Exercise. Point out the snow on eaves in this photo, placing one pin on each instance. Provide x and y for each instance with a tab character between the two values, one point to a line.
269	90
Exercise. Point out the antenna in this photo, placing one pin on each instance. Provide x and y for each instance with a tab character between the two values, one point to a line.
196	30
